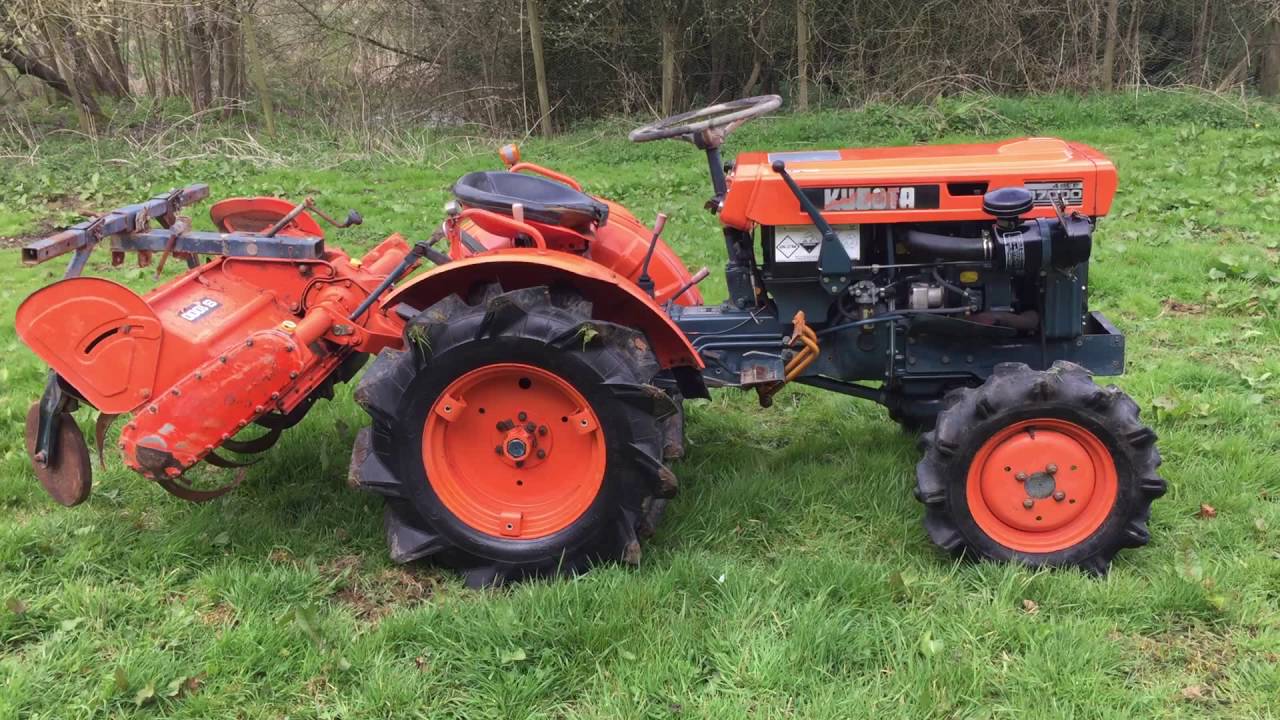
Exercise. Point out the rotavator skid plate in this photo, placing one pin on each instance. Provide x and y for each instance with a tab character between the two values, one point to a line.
68	475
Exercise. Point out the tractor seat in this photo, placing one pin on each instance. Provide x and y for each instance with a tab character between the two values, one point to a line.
545	201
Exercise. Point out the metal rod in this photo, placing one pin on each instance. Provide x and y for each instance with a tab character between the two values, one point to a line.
288	218
847	388
416	253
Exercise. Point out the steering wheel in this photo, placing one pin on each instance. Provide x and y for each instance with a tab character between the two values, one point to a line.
709	126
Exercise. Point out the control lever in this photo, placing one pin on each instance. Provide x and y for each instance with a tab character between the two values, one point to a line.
697	278
833	261
644	281
309	203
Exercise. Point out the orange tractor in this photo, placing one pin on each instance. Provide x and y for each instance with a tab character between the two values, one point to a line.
526	398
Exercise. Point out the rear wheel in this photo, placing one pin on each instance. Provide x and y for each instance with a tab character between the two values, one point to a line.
515	437
1044	468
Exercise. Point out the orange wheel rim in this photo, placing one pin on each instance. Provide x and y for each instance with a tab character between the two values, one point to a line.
514	451
1041	485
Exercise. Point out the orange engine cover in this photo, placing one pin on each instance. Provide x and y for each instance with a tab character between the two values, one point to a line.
933	183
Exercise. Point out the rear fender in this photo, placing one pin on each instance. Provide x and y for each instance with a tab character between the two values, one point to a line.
615	298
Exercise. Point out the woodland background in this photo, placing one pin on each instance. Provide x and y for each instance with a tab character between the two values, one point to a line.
539	65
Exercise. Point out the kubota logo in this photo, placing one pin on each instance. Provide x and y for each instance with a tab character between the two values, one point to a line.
874	198
883	197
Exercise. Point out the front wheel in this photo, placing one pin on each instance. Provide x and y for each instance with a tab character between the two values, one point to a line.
1039	467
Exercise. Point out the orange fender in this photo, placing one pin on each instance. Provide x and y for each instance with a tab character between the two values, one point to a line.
99	335
616	299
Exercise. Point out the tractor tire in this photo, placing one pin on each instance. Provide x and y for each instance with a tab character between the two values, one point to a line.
1044	468
515	437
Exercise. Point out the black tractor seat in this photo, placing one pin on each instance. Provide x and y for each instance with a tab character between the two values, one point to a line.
545	201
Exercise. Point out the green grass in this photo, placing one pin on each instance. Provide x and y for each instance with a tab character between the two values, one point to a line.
791	578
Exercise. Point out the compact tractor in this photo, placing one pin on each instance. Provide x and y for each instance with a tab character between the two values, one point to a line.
526	394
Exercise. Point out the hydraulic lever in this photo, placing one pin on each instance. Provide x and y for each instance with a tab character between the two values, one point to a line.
833	260
644	281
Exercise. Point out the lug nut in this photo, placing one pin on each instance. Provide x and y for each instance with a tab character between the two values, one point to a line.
497	449
1028	503
530	427
522	416
542	454
1021	477
542	430
1051	469
1059	496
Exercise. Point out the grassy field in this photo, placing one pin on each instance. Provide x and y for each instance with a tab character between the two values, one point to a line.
791	579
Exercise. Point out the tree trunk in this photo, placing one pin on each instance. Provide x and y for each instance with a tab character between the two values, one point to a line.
802	54
1135	41
669	30
539	67
1199	46
27	65
757	57
1107	74
1269	73
108	47
198	50
229	55
140	42
257	74
81	94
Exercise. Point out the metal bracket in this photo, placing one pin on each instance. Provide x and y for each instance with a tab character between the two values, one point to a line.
53	402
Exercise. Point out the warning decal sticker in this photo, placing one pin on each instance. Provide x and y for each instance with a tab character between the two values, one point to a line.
803	243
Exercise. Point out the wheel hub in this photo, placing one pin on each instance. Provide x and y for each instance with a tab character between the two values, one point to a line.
514	450
1041	485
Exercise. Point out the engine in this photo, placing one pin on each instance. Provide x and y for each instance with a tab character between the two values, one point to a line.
996	235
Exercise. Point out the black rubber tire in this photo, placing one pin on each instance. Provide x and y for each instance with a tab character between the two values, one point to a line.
612	366
1013	393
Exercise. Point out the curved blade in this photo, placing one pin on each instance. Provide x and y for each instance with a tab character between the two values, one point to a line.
217	460
100	429
179	489
256	445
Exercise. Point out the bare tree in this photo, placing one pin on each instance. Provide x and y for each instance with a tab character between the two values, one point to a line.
1107	74
1269	72
539	66
802	54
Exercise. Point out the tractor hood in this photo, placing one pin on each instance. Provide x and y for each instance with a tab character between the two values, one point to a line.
917	184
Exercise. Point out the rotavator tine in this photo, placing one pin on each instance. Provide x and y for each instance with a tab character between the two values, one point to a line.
217	460
255	445
178	488
100	435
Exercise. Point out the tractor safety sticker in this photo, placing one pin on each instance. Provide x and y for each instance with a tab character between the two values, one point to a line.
803	243
199	309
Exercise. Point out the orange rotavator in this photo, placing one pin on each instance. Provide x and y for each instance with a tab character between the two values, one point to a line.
526	398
